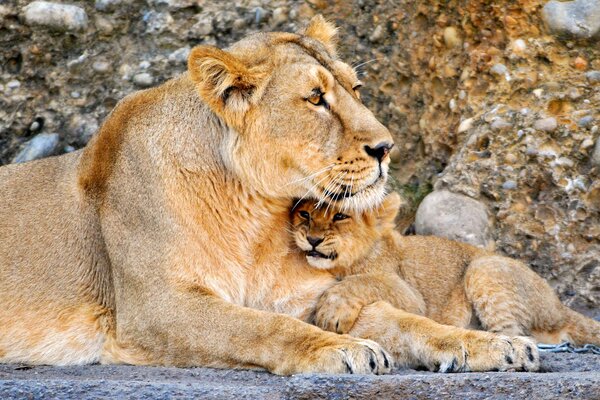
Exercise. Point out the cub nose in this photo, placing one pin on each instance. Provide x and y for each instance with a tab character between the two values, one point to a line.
380	151
314	242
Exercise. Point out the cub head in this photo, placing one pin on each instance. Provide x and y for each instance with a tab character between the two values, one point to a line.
293	122
332	238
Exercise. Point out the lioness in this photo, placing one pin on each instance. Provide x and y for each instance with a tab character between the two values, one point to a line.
450	282
164	241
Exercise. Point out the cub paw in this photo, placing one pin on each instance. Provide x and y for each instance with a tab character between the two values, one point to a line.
354	356
337	313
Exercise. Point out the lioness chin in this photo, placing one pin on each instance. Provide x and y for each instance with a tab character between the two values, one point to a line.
164	241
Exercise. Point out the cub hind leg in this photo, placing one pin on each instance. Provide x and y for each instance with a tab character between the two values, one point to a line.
511	299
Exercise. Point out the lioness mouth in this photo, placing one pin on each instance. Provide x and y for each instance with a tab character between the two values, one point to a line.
347	193
318	254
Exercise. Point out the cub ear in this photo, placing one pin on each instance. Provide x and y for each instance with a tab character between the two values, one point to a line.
388	210
322	30
223	81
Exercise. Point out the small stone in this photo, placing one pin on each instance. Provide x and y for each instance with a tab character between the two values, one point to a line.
104	25
465	125
573	93
499	124
586	121
14	84
157	22
377	35
579	19
546	124
509	185
108	5
538	93
180	56
452	37
596	154
586	144
280	16
519	46
239	23
260	15
144	64
40	146
452	105
454	216
75	94
593	76
35	126
101	66
143	80
580	63
500	70
60	17
510	158
203	28
69	149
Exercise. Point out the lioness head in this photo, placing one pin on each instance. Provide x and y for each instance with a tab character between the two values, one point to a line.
295	125
332	238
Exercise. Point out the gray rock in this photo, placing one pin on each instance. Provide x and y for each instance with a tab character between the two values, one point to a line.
40	146
499	70
586	121
593	76
157	22
509	185
61	17
14	84
546	124
378	34
109	5
579	19
499	124
454	216
143	80
180	56
101	66
280	16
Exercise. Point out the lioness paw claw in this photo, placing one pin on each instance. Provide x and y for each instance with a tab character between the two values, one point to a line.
360	357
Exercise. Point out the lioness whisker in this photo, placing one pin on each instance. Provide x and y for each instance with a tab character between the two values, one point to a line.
310	190
338	182
311	176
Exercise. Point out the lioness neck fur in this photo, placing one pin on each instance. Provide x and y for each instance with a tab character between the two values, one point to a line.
164	241
451	282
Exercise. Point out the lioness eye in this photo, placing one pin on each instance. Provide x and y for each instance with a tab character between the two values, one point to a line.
340	216
304	214
317	99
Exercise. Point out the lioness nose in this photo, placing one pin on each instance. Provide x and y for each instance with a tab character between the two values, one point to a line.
380	151
314	242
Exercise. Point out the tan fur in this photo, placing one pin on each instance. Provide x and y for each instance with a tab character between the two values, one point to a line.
450	282
164	241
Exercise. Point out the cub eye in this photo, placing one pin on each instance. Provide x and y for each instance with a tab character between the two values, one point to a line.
317	99
340	216
304	214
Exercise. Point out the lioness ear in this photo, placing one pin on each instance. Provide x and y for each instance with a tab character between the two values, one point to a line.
223	81
388	210
322	30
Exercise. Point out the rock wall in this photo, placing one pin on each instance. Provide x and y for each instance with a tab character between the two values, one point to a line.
495	100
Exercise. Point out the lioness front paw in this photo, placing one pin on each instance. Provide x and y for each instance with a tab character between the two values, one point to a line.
504	353
337	313
352	356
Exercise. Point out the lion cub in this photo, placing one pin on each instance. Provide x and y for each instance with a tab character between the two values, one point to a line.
450	282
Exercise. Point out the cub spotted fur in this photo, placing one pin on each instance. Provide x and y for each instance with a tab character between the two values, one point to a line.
450	282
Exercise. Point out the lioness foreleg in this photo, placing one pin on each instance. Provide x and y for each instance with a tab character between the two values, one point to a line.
417	341
200	329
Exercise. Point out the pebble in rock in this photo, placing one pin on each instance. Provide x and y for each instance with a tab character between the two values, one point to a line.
500	70
83	127
509	185
143	80
454	216
579	19
377	35
40	146
452	37
101	66
61	17
108	5
499	124
546	124
586	121
280	16
14	84
593	76
596	154
180	56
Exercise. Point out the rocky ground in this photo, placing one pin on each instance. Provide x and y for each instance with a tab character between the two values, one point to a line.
566	376
496	101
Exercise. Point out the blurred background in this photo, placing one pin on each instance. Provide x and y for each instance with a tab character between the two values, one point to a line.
494	105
